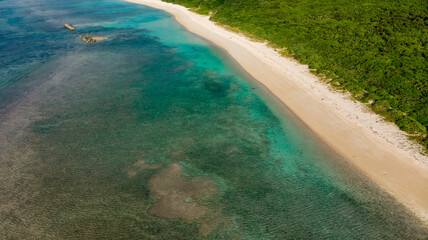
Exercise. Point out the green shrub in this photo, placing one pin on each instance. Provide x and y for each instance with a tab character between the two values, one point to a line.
376	47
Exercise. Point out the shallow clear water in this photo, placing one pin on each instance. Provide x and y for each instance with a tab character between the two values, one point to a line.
87	131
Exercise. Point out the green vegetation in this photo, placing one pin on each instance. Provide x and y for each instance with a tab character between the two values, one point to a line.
375	49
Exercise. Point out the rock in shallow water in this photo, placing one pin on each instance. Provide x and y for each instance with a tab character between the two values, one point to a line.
91	39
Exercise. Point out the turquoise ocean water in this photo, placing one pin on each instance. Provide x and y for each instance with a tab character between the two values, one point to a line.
157	134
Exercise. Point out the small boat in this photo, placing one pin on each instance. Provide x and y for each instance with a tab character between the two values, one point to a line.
71	28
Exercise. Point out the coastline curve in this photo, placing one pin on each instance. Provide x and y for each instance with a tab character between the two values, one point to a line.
377	149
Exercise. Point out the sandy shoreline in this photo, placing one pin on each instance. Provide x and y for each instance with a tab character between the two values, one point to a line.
376	148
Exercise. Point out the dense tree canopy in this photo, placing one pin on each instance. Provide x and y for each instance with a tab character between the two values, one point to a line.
375	49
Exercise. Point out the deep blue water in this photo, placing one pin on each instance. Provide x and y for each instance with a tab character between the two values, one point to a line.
92	135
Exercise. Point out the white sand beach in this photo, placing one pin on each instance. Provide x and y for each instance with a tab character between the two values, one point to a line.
376	148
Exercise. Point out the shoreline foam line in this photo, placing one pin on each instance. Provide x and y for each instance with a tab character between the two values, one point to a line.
376	148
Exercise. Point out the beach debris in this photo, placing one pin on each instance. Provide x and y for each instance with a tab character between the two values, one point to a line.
91	39
71	28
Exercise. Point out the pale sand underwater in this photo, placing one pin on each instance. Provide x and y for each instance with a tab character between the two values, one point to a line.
376	148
